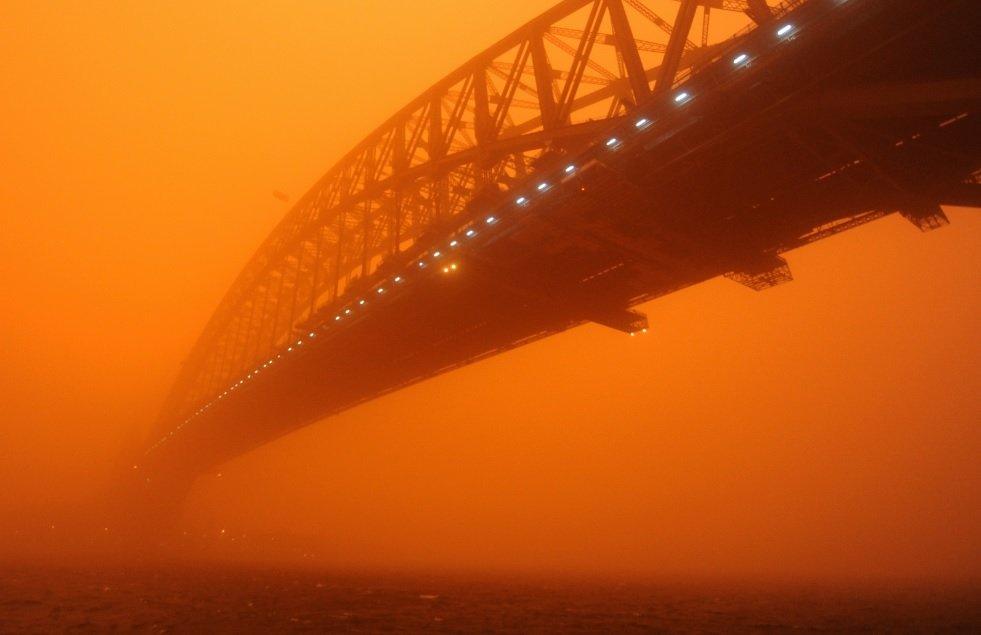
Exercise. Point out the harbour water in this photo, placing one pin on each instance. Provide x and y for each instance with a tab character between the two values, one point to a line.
223	598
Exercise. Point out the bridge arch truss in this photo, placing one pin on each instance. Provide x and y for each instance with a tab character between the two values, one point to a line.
538	94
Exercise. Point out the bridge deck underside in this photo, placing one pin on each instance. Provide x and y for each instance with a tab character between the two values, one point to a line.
791	152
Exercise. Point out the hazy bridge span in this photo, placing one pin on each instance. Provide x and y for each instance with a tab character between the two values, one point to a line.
598	157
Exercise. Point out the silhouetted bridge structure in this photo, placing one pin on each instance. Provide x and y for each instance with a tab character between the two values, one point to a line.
596	158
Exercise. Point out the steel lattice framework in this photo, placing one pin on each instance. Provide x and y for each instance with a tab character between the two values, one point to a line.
595	159
540	92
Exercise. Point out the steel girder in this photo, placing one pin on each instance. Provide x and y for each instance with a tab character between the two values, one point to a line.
485	127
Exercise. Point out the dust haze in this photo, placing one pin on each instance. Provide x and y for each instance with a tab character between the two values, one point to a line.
826	429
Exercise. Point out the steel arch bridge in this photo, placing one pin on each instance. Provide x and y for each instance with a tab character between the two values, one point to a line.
595	108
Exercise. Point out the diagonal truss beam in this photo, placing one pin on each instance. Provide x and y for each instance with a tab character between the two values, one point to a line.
474	134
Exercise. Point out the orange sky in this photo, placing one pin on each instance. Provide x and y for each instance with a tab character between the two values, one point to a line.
823	428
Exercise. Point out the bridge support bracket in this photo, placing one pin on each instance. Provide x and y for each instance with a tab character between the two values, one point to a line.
925	217
762	272
624	320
